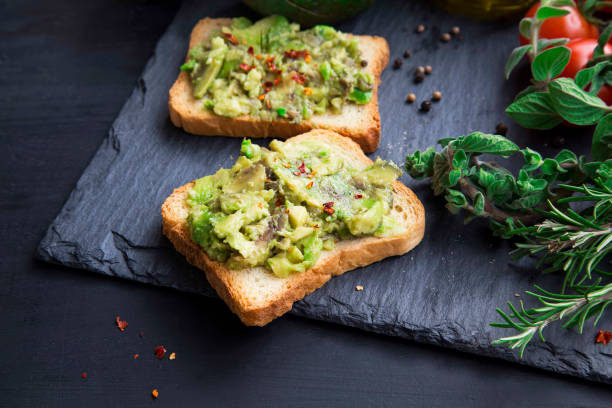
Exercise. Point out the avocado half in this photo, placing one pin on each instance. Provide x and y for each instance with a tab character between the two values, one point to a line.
311	12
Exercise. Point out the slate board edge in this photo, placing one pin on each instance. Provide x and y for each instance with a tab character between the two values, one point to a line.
61	254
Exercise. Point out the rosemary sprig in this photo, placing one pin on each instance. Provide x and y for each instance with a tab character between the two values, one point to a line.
560	208
588	302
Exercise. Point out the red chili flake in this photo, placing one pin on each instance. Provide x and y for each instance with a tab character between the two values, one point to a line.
268	104
315	226
300	79
279	202
603	336
276	81
136	356
270	64
266	90
309	185
329	210
230	38
268	84
294	54
159	352
302	168
140	335
245	67
84	375
358	196
251	51
297	173
155	393
121	324
329	204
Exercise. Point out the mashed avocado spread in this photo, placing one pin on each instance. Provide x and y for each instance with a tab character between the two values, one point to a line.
280	207
271	69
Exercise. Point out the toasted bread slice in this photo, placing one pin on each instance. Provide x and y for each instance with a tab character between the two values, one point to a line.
256	295
359	122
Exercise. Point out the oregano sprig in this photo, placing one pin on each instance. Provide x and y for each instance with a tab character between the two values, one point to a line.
537	207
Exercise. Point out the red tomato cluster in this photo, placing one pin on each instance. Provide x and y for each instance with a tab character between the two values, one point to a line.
583	40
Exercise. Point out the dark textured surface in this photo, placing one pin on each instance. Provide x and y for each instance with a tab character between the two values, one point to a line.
83	59
444	292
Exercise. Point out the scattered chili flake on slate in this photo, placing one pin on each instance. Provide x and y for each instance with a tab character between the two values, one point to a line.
230	38
172	356
358	288
121	324
446	37
358	196
364	63
420	28
136	356
397	64
251	51
603	336
159	352
407	53
155	393
501	129
410	98
436	96
140	335
84	375
425	106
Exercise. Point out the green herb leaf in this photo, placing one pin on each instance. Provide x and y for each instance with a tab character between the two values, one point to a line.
550	167
456	198
535	111
479	202
550	63
533	160
460	160
525	27
546	12
420	165
479	142
551	42
515	57
574	104
453	177
604	37
602	139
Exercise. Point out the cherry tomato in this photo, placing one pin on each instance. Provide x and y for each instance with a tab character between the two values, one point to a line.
582	51
571	26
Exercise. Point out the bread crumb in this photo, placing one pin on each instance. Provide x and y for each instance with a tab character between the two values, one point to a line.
172	356
517	295
358	288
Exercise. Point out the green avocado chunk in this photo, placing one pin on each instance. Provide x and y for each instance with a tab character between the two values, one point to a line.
280	208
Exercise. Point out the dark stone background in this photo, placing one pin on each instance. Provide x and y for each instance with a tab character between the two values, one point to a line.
65	70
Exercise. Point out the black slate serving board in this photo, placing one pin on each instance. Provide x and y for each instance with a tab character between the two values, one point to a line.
444	292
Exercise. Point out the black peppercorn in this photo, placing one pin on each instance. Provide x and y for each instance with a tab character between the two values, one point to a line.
426	106
397	64
407	53
501	129
419	77
364	63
